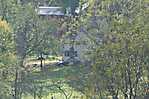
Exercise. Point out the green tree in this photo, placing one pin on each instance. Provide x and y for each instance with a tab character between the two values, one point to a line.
118	50
6	53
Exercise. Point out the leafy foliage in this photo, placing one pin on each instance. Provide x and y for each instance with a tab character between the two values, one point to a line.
117	49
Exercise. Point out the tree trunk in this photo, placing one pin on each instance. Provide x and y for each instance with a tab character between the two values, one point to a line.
41	62
16	85
34	94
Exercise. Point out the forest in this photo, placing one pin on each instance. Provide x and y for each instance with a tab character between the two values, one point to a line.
74	49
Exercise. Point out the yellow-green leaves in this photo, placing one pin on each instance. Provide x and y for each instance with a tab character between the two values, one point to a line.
4	26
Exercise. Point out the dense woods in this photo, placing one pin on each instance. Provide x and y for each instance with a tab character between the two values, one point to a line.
108	55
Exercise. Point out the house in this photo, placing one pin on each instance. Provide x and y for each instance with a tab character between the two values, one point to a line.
73	47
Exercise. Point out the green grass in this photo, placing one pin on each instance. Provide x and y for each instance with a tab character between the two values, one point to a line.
59	76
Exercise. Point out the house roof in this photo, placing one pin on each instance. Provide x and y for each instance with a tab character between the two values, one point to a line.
58	11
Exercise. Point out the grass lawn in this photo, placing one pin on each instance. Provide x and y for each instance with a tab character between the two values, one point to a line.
55	81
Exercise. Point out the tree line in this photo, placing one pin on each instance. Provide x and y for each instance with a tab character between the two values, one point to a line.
117	31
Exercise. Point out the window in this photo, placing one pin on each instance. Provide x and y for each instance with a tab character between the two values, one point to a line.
67	53
71	53
75	54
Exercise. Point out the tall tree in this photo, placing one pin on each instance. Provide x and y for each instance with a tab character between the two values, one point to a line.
119	46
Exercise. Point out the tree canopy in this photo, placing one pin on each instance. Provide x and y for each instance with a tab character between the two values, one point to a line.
113	36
